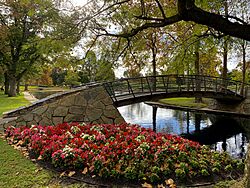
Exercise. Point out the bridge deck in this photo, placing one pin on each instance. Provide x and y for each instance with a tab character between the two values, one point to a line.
132	90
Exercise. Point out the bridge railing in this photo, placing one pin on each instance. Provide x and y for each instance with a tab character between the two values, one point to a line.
149	85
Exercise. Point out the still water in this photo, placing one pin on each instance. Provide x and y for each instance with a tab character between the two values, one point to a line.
219	132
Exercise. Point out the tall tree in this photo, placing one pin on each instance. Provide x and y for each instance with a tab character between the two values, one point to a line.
27	36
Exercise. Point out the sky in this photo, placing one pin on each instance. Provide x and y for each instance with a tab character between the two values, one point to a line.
78	2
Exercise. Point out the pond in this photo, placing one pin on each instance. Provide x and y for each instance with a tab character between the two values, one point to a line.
221	133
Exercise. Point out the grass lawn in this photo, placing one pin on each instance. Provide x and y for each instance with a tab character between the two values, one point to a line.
186	102
10	103
18	171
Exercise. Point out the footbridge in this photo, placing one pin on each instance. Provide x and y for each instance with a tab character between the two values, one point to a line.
98	102
132	90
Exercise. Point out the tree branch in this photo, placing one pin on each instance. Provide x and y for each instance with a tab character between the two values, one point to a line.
161	9
189	12
133	32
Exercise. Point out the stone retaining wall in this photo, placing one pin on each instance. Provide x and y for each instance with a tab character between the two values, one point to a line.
89	105
243	107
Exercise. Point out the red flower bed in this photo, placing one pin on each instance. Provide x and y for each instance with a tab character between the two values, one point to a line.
121	151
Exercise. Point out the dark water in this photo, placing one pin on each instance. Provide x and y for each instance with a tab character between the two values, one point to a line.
221	133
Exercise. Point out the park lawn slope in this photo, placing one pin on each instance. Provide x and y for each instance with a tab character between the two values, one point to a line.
10	103
17	171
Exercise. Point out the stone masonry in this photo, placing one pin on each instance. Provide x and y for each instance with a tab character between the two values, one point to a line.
87	104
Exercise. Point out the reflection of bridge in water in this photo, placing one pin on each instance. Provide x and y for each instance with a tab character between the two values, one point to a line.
132	90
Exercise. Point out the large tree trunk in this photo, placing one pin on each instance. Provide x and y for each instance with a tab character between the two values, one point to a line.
225	48
6	83
26	85
225	54
13	84
197	71
154	52
243	67
154	72
18	87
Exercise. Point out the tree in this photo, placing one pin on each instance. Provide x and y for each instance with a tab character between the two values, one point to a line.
96	68
156	13
105	71
22	21
72	78
30	33
58	76
133	20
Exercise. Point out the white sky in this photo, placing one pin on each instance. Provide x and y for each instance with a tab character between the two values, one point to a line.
79	2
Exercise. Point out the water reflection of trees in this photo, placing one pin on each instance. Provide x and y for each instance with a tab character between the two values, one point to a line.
221	135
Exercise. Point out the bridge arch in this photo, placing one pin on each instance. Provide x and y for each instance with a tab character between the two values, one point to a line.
132	90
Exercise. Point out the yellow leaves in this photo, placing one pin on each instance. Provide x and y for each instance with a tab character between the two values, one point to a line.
160	186
164	166
85	170
118	167
170	183
63	174
2	135
146	185
71	173
37	170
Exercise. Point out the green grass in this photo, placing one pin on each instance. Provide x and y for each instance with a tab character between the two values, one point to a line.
10	103
20	172
185	102
17	171
30	88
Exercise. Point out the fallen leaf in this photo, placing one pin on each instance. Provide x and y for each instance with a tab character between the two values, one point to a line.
37	170
85	170
17	173
160	186
71	173
169	182
63	174
20	143
147	185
